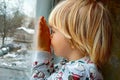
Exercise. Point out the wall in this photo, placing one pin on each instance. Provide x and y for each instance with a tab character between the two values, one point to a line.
111	71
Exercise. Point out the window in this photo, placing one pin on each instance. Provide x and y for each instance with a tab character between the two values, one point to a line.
17	24
16	28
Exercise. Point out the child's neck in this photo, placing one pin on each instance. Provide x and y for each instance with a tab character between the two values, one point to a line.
75	55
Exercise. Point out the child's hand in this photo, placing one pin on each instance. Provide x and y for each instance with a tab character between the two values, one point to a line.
43	36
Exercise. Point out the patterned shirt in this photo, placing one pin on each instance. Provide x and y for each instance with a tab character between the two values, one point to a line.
44	69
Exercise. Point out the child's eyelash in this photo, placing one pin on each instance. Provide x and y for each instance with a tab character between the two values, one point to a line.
52	31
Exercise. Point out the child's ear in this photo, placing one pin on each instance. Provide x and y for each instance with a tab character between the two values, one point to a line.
71	44
72	47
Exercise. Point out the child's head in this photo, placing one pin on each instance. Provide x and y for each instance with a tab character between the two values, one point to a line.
86	25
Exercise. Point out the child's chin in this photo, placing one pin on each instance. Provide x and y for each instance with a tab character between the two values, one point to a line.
58	55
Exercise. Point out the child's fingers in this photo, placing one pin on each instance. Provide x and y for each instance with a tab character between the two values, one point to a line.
39	26
43	28
42	23
44	20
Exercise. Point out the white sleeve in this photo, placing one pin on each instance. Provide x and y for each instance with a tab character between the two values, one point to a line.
42	66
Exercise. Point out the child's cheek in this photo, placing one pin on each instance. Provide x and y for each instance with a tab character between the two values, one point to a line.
60	45
57	43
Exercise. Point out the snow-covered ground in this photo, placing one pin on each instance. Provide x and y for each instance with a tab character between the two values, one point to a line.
15	60
16	65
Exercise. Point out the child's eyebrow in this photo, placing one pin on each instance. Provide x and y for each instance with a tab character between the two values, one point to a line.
54	28
49	26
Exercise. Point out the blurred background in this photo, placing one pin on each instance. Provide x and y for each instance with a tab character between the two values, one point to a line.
16	31
18	19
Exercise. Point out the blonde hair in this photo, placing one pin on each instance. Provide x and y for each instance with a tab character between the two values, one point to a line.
87	25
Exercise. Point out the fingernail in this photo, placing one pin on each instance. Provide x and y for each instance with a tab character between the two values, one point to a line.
41	17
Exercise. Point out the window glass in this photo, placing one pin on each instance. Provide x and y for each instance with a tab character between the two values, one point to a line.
16	31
